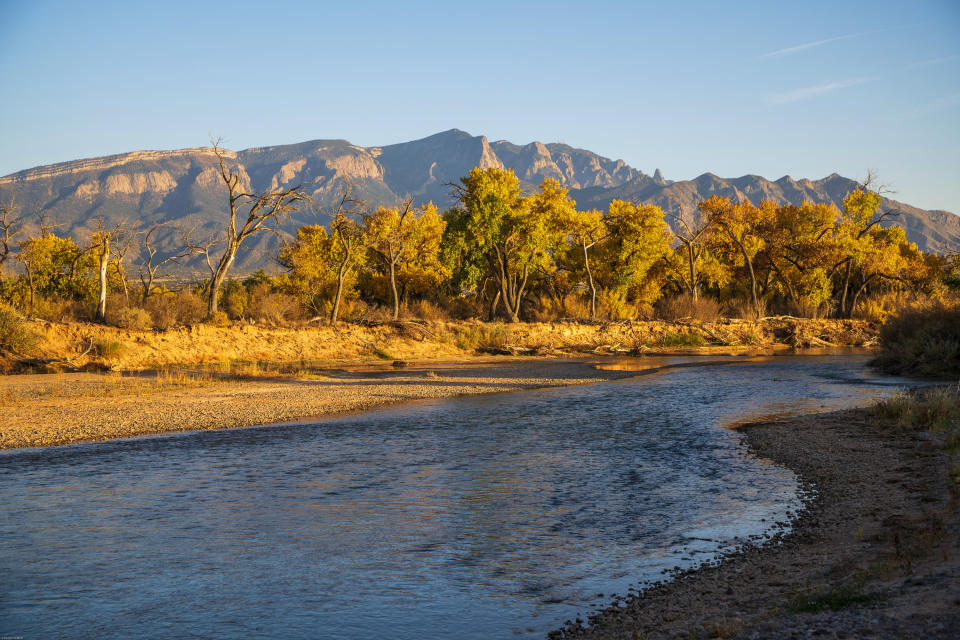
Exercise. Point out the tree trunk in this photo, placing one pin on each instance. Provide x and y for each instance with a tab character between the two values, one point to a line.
341	276
843	299
393	287
693	272
218	276
493	307
102	300
593	288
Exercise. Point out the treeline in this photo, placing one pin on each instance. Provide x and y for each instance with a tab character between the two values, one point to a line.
497	254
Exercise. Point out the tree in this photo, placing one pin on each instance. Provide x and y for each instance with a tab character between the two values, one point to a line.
102	241
10	227
586	229
345	250
150	265
694	237
404	239
637	242
495	230
740	225
264	210
310	269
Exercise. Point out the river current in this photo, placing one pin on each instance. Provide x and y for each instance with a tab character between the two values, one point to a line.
485	517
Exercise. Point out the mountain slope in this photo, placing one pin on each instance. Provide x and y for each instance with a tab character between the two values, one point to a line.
183	188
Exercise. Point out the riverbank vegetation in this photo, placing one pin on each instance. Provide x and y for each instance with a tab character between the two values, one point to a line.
922	340
498	254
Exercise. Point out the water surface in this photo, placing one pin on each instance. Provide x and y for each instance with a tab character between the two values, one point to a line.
493	517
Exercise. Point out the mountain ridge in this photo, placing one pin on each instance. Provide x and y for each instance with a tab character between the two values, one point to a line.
182	186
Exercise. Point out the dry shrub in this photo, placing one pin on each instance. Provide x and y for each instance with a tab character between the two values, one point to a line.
219	319
922	340
108	349
426	310
878	307
549	308
743	308
16	336
57	310
131	318
171	310
684	306
483	337
273	307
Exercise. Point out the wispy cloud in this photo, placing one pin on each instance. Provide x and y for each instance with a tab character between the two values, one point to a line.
809	45
947	102
811	92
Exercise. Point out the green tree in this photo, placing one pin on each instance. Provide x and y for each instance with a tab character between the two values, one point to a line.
495	230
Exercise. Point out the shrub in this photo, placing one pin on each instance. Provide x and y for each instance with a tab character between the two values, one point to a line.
171	310
743	308
16	337
426	310
220	319
684	306
682	340
131	318
108	349
483	337
922	340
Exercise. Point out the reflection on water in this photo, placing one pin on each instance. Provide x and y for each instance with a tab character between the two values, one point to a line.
477	517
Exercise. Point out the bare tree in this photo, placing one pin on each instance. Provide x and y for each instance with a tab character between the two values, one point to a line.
10	226
264	211
149	264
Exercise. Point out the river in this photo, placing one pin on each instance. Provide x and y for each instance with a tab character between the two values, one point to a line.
485	517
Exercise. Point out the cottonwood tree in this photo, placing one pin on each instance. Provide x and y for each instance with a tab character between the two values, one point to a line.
150	264
347	246
404	239
103	241
586	229
637	243
495	230
248	213
740	225
697	263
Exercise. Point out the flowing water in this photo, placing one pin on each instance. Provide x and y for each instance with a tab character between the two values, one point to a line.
492	517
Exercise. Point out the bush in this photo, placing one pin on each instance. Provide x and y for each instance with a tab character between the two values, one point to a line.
108	349
131	318
16	337
220	319
483	337
684	306
171	310
922	340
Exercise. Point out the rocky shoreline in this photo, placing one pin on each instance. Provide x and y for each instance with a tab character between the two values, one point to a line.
876	553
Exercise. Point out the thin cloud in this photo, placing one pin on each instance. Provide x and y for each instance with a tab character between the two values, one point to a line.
809	45
811	92
928	63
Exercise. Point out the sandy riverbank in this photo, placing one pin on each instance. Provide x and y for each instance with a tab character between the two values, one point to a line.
880	540
57	409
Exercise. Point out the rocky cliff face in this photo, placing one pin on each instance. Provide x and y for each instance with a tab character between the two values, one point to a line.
183	187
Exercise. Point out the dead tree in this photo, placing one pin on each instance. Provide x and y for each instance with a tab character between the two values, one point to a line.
264	211
149	265
10	226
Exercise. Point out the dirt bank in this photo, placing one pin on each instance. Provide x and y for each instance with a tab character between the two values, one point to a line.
121	349
56	409
880	542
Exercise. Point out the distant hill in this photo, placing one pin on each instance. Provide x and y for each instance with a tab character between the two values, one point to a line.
183	188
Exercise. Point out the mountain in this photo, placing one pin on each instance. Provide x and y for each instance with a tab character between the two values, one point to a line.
183	188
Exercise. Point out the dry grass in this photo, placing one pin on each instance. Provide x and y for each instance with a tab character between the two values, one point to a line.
108	385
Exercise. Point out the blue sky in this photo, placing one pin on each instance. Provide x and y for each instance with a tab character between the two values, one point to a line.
770	88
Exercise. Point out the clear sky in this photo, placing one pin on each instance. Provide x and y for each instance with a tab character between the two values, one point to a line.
770	88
